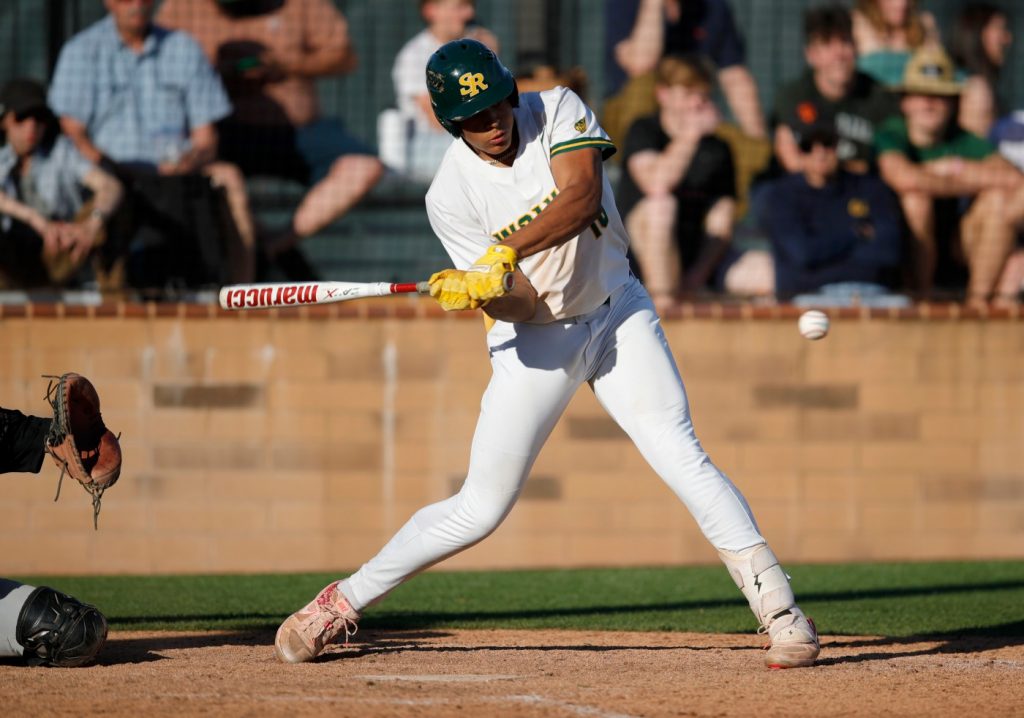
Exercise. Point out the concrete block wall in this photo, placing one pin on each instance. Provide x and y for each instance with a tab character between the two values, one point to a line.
301	440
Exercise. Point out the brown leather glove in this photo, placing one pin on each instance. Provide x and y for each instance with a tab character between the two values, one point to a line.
78	440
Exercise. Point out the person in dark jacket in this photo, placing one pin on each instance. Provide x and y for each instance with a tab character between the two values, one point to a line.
831	227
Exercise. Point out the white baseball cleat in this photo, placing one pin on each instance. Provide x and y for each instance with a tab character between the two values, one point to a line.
304	634
793	640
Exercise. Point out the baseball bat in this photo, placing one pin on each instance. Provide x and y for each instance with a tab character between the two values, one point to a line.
297	294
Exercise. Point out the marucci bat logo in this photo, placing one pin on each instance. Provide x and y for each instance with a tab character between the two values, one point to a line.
271	296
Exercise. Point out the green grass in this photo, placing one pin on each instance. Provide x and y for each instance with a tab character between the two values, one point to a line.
912	599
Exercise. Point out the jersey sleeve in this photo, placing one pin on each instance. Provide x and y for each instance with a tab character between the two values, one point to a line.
462	237
573	125
206	100
891	136
975	148
71	89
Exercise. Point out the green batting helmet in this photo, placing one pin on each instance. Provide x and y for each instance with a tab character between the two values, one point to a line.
465	77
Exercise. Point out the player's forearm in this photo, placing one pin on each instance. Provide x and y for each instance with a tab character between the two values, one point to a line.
967	181
904	177
640	52
669	167
203	151
335	59
107	191
519	305
741	93
79	136
20	211
787	151
572	211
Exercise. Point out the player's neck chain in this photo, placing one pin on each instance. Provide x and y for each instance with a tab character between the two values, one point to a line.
505	158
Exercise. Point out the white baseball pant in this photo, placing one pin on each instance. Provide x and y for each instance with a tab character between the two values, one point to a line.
620	349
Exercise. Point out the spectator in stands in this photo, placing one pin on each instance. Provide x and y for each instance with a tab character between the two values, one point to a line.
832	92
678	189
270	53
981	40
425	141
47	231
1008	137
142	100
933	165
835	235
886	32
640	32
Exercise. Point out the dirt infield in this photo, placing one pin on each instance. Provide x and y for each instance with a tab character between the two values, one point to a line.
524	673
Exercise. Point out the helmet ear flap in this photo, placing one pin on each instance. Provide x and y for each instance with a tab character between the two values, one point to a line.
451	127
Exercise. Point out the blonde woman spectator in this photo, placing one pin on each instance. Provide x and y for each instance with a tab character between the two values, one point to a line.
981	41
886	33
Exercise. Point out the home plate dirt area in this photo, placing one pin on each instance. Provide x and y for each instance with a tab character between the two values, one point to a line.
524	673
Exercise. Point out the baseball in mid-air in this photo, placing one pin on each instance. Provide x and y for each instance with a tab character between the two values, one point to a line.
813	324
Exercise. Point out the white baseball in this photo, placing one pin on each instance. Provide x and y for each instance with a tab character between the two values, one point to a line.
813	324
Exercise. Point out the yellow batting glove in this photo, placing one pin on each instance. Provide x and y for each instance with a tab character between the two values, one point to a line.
485	279
448	287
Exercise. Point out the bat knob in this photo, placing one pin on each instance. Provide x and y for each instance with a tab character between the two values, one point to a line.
508	281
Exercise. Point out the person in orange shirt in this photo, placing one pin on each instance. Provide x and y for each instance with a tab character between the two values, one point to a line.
269	54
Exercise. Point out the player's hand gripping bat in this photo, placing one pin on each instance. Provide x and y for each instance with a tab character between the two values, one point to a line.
297	294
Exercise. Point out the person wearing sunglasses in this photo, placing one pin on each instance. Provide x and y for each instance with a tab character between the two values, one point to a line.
835	234
47	230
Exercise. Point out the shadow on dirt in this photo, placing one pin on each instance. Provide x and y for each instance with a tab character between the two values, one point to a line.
383	632
979	640
146	649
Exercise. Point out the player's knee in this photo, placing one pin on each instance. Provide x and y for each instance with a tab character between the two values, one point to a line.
56	629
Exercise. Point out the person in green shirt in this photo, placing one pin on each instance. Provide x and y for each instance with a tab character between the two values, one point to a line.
934	166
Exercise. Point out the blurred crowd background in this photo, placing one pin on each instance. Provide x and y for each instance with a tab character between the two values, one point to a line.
821	153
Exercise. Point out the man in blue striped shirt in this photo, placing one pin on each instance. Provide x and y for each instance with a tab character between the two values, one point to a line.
143	98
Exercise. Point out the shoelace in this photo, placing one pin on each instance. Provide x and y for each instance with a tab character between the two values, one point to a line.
324	620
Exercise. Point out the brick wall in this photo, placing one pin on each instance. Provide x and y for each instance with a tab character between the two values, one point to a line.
301	441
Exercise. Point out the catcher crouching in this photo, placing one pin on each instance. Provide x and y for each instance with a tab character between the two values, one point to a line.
44	626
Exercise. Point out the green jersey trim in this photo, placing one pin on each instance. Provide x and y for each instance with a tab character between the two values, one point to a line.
580	143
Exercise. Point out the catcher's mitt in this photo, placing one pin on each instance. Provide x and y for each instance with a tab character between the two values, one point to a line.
78	440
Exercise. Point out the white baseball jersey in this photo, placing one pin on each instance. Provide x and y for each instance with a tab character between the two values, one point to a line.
472	204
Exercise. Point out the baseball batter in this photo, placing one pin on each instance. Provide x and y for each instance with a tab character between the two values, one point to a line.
523	189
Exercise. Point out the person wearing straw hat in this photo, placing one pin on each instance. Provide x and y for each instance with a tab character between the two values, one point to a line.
961	200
